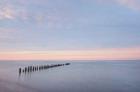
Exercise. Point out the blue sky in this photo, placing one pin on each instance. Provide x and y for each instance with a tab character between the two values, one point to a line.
69	24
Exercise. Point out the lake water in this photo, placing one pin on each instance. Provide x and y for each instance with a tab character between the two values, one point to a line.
80	76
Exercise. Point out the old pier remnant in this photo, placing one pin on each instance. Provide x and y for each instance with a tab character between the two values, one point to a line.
39	67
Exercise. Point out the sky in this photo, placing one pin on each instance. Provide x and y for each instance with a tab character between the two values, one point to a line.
69	29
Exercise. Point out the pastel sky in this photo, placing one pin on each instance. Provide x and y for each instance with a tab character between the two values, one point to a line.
69	29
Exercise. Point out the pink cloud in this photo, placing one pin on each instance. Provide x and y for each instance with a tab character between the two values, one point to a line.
132	4
7	13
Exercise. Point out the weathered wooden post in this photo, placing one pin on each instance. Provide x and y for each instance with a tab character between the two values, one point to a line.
19	70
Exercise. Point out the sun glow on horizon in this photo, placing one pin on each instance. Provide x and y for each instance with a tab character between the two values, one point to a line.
96	54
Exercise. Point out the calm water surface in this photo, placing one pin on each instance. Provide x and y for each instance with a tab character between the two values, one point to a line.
80	76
